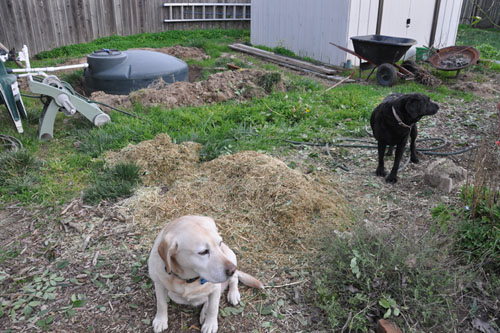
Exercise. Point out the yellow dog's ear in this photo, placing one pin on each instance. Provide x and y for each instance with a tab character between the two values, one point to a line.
167	253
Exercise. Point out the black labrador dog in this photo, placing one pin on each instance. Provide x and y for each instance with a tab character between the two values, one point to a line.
393	121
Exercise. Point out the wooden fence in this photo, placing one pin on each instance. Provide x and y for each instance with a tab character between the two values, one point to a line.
46	24
481	8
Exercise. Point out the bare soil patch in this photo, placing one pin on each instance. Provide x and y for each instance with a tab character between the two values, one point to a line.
181	52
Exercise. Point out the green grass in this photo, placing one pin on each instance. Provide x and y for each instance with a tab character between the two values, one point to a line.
477	37
284	52
487	41
112	183
214	41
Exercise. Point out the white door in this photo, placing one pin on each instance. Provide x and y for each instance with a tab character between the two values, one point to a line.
408	18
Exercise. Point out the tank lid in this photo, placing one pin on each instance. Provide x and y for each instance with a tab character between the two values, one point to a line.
106	53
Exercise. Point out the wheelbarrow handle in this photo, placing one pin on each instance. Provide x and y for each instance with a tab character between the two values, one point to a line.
403	70
353	53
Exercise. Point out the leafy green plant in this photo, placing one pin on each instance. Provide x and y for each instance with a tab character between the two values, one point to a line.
372	275
488	51
478	233
28	307
390	305
76	301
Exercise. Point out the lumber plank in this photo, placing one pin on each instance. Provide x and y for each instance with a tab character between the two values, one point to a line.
281	59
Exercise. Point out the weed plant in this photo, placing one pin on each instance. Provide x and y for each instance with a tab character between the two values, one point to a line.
475	223
371	275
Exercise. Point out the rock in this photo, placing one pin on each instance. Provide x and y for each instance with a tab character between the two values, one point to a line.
444	174
387	326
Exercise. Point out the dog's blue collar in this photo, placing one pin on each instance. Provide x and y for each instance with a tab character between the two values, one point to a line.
202	280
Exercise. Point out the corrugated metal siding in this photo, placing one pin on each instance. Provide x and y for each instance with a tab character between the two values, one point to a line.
419	12
449	17
362	21
304	27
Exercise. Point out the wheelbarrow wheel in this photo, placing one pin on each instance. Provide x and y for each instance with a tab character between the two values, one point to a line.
386	75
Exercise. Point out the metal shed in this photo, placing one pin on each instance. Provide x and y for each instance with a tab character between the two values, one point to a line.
307	27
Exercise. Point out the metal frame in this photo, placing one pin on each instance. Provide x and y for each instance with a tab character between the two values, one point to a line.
208	11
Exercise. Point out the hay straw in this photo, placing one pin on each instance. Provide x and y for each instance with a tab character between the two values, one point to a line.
261	206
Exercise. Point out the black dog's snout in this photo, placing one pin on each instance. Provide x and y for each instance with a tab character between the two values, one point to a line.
437	107
433	109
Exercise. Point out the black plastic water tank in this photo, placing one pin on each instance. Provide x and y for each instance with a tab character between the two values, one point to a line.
119	73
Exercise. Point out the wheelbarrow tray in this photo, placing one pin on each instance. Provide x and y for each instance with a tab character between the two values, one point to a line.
380	49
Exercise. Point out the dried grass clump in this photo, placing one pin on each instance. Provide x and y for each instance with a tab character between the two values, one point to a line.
266	186
259	204
160	160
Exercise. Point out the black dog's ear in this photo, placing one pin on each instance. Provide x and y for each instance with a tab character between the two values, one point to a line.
414	106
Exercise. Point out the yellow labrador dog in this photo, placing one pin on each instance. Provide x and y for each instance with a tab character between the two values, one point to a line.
190	264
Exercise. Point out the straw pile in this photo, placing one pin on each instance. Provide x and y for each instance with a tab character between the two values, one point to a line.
161	160
259	204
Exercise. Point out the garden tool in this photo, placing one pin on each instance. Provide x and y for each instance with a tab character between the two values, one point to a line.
11	97
60	96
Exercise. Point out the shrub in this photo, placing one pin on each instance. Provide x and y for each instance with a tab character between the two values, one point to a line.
489	52
370	276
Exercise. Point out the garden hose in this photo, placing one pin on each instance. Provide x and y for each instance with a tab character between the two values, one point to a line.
10	141
73	92
373	145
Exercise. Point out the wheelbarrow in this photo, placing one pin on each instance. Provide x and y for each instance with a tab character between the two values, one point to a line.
454	58
381	52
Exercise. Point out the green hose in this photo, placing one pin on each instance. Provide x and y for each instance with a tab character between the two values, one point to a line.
373	145
71	90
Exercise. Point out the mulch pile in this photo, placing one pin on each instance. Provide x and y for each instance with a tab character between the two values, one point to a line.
261	206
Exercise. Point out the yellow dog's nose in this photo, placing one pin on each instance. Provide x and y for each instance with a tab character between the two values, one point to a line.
230	270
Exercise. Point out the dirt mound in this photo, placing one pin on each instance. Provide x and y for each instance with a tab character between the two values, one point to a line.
219	87
182	52
260	205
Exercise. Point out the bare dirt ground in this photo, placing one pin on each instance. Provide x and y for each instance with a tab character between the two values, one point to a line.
101	252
